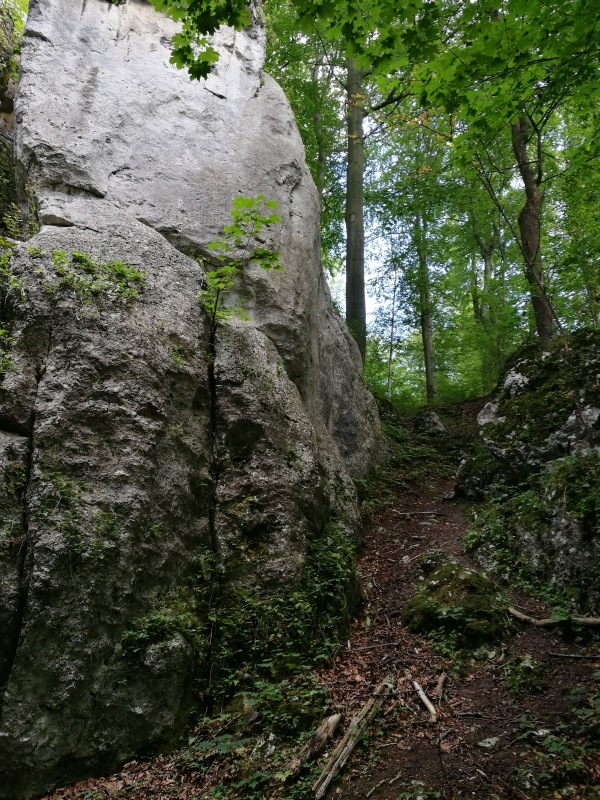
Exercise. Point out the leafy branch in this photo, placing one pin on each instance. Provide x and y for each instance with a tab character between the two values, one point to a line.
235	248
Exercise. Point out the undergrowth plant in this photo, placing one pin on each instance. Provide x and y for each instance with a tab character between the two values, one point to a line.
62	506
239	245
563	759
6	363
262	638
258	650
7	283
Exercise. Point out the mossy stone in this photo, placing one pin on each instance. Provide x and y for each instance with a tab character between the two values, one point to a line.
456	598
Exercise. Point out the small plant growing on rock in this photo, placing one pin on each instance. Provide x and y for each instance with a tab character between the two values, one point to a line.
237	247
88	278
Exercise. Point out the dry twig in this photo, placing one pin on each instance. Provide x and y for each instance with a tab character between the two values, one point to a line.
426	701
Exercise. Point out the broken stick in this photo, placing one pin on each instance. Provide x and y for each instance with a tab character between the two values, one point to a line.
355	730
413	513
314	746
592	622
426	701
440	686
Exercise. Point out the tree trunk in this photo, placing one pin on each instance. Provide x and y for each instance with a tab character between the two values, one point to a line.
392	334
356	313
475	295
318	120
529	229
425	308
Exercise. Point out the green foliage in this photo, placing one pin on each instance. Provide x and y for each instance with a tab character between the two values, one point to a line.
311	80
573	483
565	756
576	479
177	615
177	356
6	363
266	638
11	220
249	767
289	705
15	477
88	279
10	284
18	11
198	18
525	675
236	248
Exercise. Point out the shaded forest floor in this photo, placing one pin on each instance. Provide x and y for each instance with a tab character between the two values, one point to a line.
520	719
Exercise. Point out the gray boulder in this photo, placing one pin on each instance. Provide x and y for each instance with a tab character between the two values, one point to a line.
540	445
144	456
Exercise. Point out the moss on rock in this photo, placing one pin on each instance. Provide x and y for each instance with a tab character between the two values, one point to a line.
457	599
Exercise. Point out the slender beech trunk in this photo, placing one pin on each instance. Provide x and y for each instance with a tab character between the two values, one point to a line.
481	305
425	306
318	120
475	293
529	227
356	313
392	333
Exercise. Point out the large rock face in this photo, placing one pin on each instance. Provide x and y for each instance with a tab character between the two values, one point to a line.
539	465
144	456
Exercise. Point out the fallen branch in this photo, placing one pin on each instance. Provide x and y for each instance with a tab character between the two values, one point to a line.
355	730
413	513
396	778
595	657
437	692
374	646
592	622
426	701
372	791
314	746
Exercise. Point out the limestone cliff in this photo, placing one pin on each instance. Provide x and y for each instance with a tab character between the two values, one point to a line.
539	467
136	469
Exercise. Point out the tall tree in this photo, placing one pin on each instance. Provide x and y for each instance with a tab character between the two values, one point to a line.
356	311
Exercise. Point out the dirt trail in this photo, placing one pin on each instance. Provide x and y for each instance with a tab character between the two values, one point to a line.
487	742
517	722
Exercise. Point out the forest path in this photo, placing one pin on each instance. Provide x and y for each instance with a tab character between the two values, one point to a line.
514	722
506	726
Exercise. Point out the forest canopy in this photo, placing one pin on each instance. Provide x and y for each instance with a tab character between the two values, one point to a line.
455	148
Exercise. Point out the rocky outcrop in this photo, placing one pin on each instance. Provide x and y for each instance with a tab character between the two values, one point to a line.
539	463
145	456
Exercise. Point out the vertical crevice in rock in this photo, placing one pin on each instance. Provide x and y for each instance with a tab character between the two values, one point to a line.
214	470
21	550
214	474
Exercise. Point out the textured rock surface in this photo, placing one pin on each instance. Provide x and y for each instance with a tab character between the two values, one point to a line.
541	448
8	217
130	463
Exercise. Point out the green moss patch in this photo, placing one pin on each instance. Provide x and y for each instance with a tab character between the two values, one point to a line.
458	600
